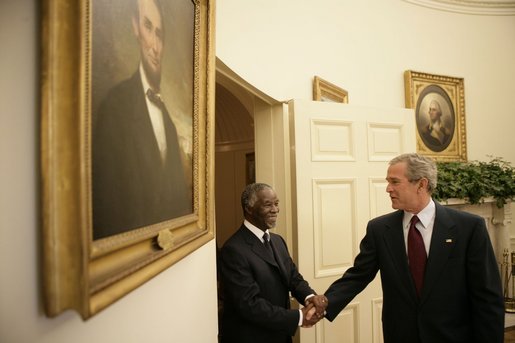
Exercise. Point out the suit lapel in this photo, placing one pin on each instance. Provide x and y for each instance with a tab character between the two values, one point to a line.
280	256
394	240
257	246
442	243
260	250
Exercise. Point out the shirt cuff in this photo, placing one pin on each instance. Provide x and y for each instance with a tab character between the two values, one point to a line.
309	296
301	316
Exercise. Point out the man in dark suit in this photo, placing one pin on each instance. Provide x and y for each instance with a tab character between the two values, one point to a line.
453	296
256	281
137	171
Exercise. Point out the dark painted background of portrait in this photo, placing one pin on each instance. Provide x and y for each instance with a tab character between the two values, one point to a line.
115	57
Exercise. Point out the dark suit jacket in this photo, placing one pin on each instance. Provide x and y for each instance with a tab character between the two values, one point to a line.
256	290
432	142
461	299
131	186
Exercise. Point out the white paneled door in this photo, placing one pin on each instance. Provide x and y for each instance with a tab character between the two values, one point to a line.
339	156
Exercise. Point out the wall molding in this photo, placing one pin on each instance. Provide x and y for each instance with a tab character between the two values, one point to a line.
476	7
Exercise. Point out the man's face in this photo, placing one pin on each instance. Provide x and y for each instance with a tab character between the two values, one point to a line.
403	193
264	212
434	112
148	29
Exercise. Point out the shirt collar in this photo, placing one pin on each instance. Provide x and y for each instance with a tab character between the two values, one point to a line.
425	216
255	230
144	80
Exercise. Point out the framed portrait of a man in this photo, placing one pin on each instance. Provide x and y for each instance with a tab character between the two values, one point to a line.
440	114
326	91
142	113
127	155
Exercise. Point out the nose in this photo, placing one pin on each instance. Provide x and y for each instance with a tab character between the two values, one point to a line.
155	41
388	188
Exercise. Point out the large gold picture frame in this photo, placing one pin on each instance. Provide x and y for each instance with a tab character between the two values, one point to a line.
439	104
84	273
326	91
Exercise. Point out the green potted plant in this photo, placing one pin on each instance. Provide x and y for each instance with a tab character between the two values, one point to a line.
474	181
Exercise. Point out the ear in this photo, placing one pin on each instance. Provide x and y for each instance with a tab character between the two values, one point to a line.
423	183
248	210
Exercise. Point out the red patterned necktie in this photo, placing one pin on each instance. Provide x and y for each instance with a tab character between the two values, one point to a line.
416	254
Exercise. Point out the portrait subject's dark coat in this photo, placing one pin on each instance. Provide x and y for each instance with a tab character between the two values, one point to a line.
461	299
131	186
256	290
434	143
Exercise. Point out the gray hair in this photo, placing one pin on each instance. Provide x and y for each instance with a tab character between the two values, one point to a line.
249	194
418	167
437	106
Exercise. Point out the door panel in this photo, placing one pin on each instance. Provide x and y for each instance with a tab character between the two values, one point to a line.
339	156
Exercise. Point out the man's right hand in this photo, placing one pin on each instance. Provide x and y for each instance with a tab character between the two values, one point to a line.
309	316
320	302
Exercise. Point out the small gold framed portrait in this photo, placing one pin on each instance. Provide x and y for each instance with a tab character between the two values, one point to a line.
326	91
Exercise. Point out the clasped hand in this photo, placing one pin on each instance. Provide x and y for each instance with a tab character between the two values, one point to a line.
314	310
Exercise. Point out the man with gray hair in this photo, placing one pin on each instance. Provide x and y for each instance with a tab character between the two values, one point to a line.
435	134
257	276
439	274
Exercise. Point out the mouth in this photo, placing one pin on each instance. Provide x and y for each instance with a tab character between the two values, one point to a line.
152	58
272	220
154	62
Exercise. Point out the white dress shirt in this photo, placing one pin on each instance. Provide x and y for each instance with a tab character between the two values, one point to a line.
156	116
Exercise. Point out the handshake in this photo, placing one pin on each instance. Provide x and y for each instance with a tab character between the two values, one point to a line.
314	310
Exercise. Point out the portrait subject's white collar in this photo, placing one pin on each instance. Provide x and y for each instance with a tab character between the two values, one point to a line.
144	79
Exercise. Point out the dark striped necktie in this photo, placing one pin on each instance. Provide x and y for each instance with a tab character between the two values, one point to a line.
266	242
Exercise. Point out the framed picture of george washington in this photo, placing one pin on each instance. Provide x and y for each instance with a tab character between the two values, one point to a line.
127	154
439	105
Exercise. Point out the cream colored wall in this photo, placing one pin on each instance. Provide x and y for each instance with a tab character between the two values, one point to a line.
179	305
278	46
364	46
